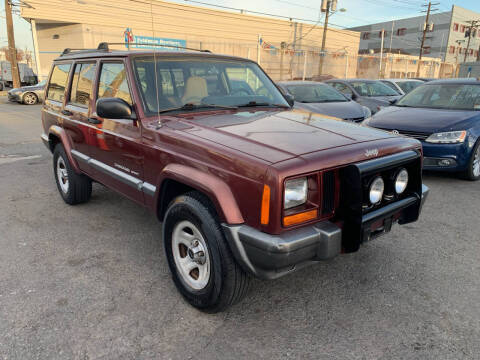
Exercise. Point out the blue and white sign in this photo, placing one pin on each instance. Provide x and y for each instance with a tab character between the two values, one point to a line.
150	42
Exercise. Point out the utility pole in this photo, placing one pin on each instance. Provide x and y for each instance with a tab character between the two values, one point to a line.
425	29
381	55
473	26
327	6
11	45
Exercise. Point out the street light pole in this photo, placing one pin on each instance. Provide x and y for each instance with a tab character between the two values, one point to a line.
11	45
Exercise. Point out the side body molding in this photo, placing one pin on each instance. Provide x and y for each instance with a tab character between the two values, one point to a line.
62	135
217	190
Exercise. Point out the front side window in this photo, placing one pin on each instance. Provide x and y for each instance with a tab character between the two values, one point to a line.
82	84
58	82
176	82
373	88
342	88
113	82
315	93
408	86
443	96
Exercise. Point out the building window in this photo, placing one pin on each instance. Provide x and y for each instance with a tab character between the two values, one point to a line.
459	50
451	50
471	51
366	36
380	34
462	28
426	49
402	31
455	27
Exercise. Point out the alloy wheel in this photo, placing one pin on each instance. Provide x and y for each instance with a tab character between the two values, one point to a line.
476	163
30	99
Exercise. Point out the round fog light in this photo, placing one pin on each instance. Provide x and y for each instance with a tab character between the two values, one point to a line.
376	190
401	181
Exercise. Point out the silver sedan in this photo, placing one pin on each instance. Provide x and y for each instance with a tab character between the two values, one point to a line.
29	95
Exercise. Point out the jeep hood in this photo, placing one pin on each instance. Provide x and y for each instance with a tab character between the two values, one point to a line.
273	135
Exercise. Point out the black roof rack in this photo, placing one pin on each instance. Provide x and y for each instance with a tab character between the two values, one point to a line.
104	46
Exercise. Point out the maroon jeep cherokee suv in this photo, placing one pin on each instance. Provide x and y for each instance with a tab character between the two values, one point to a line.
243	184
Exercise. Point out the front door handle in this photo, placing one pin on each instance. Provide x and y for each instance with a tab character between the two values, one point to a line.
94	121
67	112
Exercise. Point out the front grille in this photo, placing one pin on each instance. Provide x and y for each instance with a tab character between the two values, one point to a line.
422	136
328	193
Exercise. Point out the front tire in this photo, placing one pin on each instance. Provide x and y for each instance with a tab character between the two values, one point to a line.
30	98
473	171
74	188
202	265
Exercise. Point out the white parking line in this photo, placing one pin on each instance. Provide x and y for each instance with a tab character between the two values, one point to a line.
6	159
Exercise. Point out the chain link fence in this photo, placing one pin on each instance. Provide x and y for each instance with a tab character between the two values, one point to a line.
309	63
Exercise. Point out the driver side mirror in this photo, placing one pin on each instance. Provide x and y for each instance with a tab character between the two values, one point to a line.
114	108
290	99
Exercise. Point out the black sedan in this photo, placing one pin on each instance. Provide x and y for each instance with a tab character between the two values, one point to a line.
321	98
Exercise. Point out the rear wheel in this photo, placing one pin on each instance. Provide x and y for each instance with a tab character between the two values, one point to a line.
202	265
30	98
473	170
74	188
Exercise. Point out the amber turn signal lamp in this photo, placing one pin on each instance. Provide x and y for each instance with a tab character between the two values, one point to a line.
265	213
300	218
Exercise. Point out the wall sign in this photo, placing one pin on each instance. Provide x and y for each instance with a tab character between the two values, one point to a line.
149	42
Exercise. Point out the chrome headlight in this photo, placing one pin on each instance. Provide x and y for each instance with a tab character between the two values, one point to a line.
376	190
449	137
401	181
295	192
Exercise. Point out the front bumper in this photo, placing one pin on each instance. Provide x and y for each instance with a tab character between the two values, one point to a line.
446	157
271	256
14	97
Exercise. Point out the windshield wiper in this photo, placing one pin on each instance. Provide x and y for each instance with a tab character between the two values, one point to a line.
254	103
191	107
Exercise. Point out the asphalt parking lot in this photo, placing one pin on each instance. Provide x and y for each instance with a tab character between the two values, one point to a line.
91	281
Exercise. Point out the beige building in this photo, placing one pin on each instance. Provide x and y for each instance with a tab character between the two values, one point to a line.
402	66
58	24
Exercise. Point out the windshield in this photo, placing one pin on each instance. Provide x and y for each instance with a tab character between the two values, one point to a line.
315	93
408	86
373	88
444	96
203	82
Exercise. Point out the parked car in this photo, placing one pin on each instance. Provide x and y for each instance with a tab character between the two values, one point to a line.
445	116
244	184
29	95
424	79
370	93
323	99
402	86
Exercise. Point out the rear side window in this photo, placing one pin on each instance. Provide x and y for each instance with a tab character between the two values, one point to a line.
113	82
82	84
58	82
